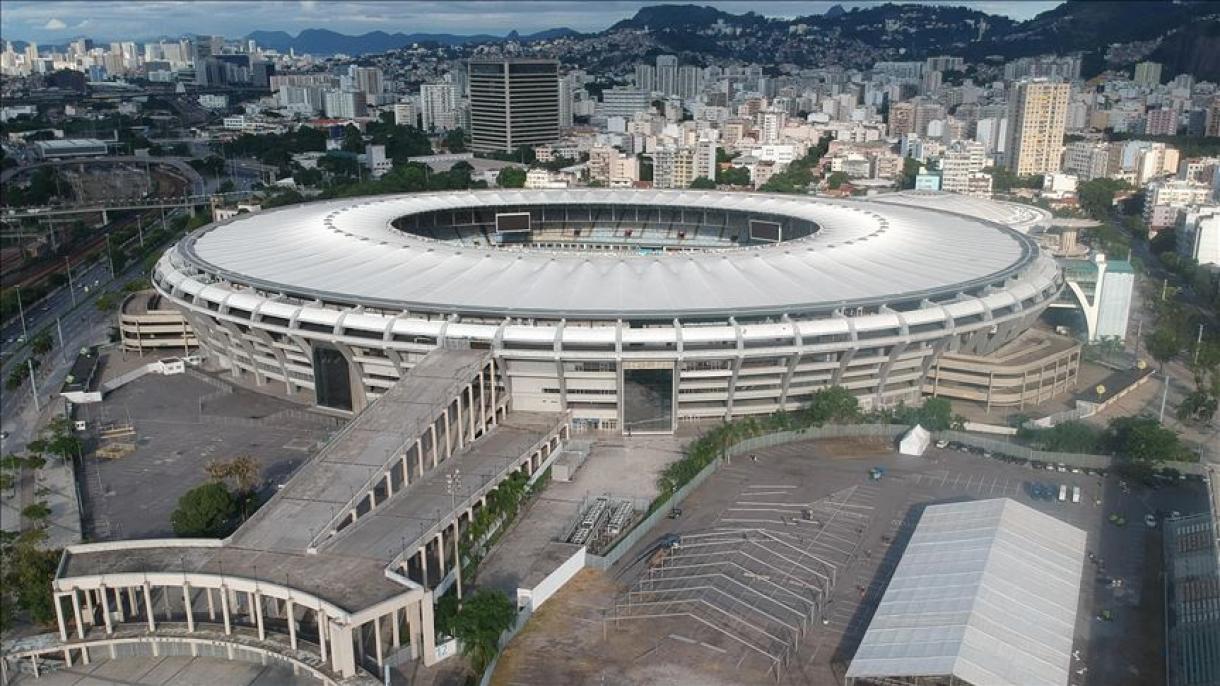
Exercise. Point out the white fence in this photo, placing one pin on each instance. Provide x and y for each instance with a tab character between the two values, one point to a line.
532	598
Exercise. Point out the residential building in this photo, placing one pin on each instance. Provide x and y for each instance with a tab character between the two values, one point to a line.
625	102
1164	201
667	74
690	81
1148	74
406	114
1198	234
1154	161
901	118
1037	115
1087	160
345	104
513	102
612	168
678	166
367	80
959	162
376	161
438	106
1161	122
646	77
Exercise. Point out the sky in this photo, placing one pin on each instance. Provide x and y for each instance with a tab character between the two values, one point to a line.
54	21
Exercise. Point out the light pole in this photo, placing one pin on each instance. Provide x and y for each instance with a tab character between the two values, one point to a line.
1198	344
29	361
71	287
63	345
21	313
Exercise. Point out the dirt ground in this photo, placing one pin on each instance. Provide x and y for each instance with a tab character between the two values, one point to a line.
573	638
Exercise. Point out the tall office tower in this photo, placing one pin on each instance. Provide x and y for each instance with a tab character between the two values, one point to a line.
513	102
645	77
367	80
1037	115
438	106
1211	125
667	74
690	81
1148	74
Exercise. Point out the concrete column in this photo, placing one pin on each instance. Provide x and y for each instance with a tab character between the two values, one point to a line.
389	483
429	637
423	564
211	606
152	622
80	624
105	609
457	553
190	610
482	401
448	435
131	599
89	607
414	634
436	449
292	623
419	454
440	555
494	392
343	657
470	408
63	626
256	599
224	610
377	641
323	627
395	636
461	424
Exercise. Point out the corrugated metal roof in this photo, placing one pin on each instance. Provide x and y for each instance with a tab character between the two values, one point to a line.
863	252
986	591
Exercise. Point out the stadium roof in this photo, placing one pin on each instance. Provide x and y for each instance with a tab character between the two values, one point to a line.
1019	216
347	251
986	591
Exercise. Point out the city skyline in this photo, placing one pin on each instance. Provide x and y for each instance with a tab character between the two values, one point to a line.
60	22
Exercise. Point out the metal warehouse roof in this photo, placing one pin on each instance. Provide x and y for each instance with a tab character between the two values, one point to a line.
864	252
986	591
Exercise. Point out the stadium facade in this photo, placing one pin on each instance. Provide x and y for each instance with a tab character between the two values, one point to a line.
629	309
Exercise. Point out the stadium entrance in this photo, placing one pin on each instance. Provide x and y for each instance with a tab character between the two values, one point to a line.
647	397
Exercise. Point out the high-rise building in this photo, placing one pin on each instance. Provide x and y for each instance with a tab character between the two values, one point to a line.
1161	122
566	101
677	166
1211	126
960	161
367	80
1037	115
690	81
438	106
1198	234
901	119
667	74
1148	74
1087	160
625	102
513	102
646	77
345	104
406	114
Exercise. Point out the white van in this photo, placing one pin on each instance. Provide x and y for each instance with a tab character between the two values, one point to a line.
1063	492
1075	494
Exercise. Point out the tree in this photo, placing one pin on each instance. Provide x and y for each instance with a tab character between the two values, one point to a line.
42	343
735	176
243	471
1097	196
1068	437
455	141
835	180
107	302
835	405
1143	439
205	511
702	182
26	570
353	140
1163	344
37	512
511	177
479	624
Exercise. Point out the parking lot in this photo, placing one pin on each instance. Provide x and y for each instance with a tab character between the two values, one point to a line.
180	424
818	499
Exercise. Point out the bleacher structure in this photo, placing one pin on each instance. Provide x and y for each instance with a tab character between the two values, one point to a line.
759	585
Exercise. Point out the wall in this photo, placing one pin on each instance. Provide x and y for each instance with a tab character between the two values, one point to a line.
533	598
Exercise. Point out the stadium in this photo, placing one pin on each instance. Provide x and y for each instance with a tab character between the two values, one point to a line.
631	309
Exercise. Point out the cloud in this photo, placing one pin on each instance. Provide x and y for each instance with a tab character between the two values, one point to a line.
54	24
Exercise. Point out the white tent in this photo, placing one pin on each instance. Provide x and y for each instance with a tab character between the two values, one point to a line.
915	441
